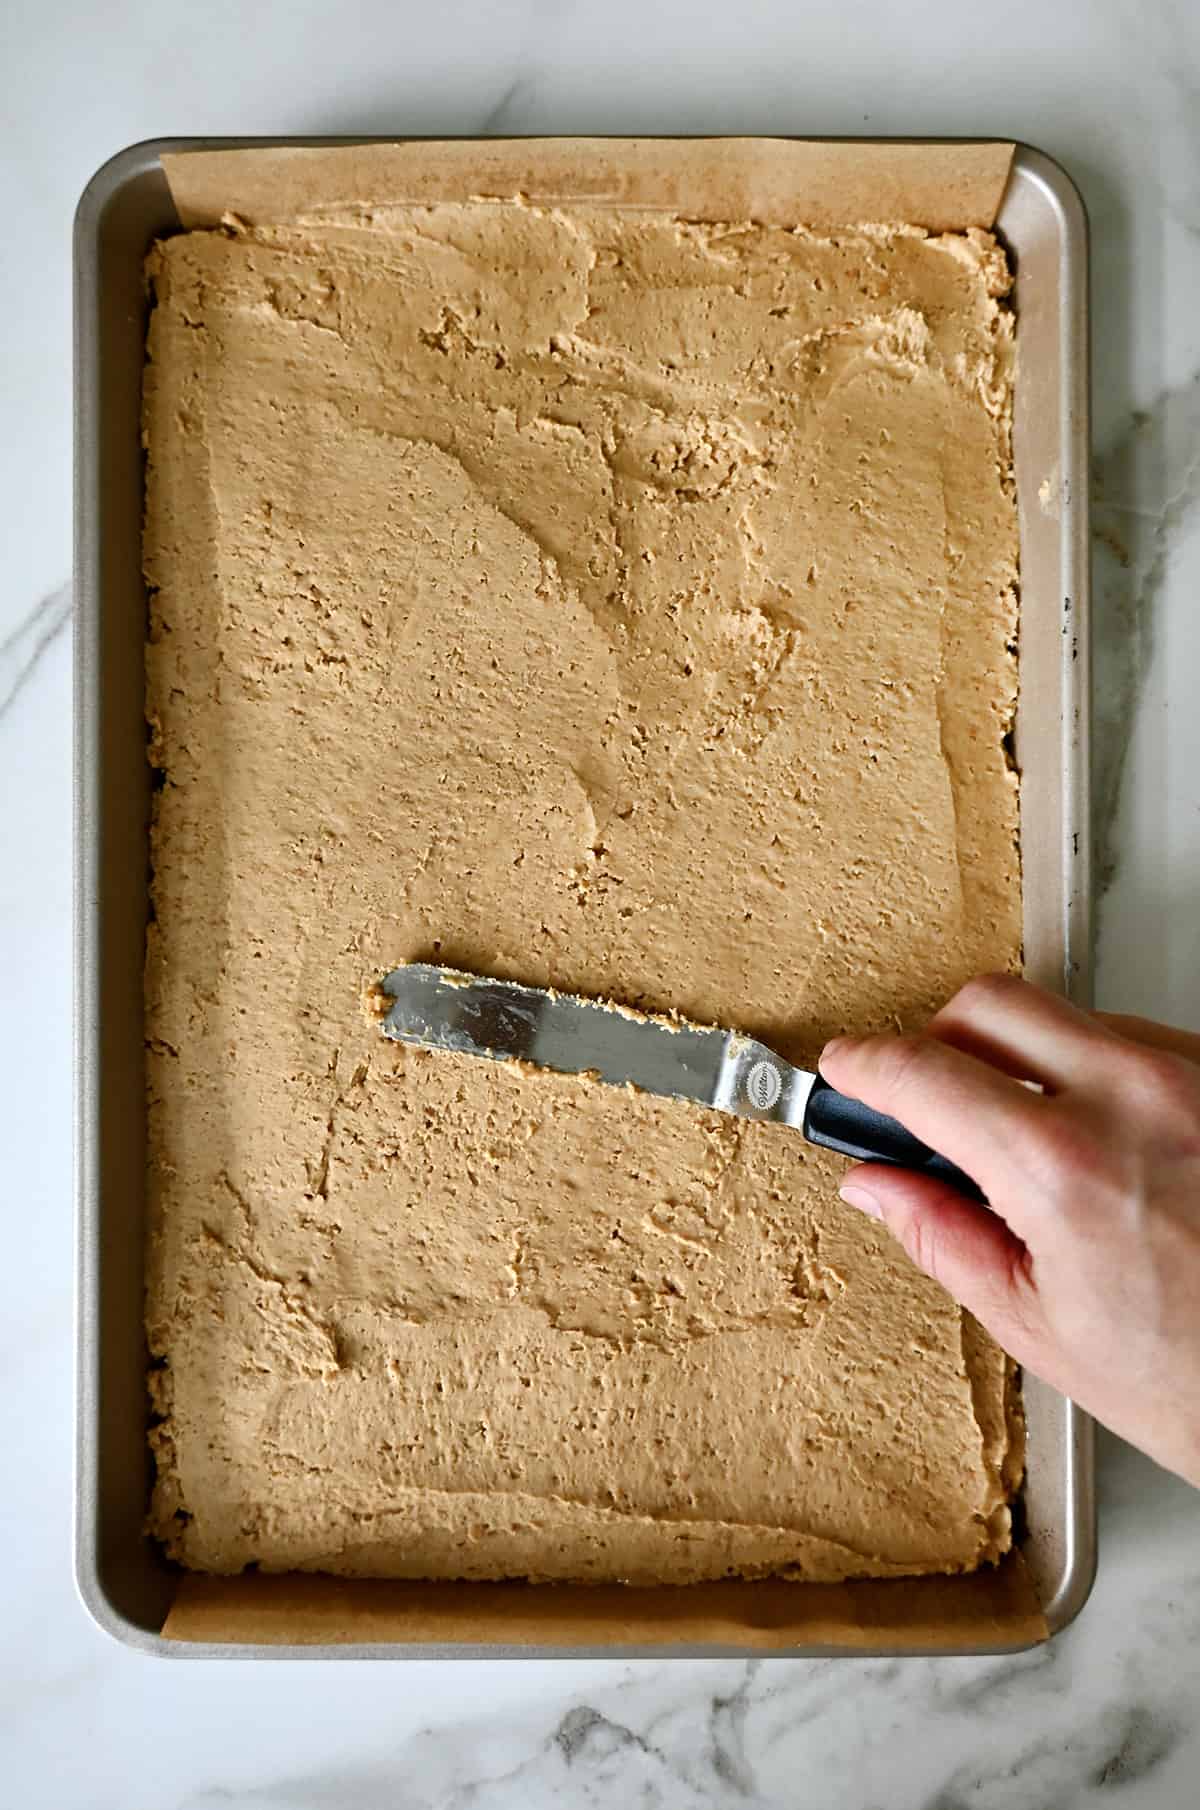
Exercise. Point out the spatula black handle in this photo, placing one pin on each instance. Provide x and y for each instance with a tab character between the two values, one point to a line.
839	1123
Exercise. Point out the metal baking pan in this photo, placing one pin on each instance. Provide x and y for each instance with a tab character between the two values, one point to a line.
124	1581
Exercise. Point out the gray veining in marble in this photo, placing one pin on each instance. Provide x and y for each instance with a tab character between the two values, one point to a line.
21	650
505	115
1146	487
1013	1734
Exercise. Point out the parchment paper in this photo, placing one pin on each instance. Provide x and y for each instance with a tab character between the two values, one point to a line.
943	187
990	1608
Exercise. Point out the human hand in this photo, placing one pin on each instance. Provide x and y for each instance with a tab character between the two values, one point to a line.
1087	1267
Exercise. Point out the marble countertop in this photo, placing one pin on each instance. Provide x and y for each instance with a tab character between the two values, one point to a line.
1111	1710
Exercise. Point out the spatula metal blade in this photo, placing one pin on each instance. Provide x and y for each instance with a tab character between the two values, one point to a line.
441	1008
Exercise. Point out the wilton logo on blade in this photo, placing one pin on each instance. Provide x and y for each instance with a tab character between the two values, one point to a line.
763	1085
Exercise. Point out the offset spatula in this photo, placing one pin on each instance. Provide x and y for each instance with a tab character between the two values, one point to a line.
443	1009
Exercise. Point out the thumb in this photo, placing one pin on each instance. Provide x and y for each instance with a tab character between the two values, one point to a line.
966	1248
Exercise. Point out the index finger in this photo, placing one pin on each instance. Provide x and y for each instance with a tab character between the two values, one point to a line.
961	1107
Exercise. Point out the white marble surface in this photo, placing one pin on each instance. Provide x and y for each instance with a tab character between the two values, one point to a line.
1111	1711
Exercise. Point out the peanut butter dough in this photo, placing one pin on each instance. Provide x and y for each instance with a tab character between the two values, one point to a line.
604	601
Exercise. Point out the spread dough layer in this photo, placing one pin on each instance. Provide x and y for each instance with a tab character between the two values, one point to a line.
604	601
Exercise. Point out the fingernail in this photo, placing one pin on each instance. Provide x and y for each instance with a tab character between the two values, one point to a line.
859	1197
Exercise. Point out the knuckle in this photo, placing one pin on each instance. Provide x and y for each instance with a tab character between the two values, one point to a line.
1169	1097
1072	1160
1069	1143
984	989
903	1061
1163	1078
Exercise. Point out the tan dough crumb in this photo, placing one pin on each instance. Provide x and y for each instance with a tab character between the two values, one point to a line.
612	603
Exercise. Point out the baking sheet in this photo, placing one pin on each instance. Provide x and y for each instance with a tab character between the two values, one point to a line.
943	185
